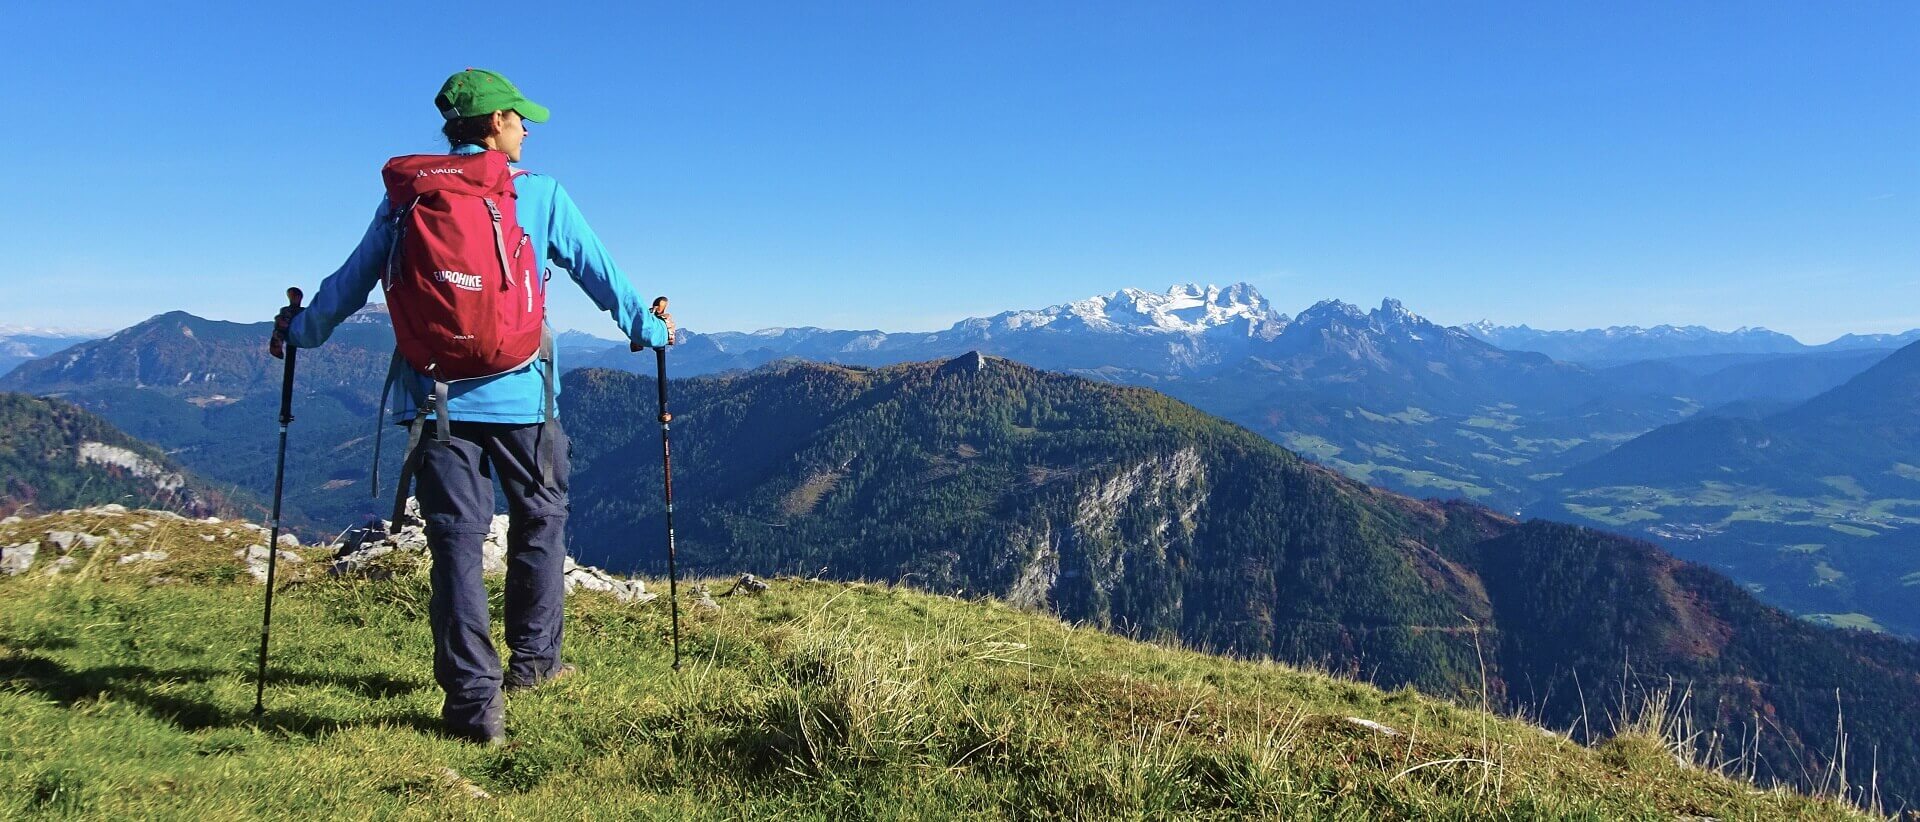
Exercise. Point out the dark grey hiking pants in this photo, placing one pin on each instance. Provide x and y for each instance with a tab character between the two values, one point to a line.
454	483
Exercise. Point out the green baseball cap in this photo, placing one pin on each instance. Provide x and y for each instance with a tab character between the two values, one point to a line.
474	92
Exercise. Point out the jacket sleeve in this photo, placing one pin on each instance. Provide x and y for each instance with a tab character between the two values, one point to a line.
576	248
345	291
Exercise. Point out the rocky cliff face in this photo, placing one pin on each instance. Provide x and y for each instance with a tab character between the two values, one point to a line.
1119	526
1121	537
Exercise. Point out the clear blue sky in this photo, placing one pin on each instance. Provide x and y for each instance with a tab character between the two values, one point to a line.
903	165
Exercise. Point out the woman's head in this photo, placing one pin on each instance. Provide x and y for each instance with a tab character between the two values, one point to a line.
483	108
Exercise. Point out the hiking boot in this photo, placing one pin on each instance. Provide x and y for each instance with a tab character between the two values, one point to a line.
565	670
486	726
486	736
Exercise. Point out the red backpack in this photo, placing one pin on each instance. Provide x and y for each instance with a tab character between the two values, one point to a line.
462	290
461	278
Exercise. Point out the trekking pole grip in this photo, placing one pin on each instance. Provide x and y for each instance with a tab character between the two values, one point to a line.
659	309
294	296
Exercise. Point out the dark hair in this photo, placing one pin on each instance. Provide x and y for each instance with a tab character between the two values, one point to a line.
464	130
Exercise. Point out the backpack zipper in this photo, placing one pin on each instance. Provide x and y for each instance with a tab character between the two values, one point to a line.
524	239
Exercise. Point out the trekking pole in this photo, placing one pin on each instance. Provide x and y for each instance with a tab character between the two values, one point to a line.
666	467
273	541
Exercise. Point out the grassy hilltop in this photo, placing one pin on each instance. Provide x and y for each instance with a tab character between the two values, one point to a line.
126	689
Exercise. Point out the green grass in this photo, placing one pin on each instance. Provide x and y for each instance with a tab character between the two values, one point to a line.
1310	445
1825	574
1410	477
1411	416
1860	622
1606	514
1414	416
1759	504
121	697
1846	485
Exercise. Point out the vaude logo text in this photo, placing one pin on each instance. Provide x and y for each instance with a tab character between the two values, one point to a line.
426	171
470	282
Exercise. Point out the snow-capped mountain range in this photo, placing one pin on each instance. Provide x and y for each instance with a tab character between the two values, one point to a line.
1185	309
1187	330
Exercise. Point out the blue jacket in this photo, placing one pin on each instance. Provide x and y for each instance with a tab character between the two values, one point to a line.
554	223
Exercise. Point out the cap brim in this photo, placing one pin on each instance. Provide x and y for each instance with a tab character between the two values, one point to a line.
530	110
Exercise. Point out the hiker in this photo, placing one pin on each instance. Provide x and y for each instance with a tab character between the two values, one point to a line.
504	424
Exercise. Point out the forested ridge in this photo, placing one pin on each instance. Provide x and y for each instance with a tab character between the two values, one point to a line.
54	455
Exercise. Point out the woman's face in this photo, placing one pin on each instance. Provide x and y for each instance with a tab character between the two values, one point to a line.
509	131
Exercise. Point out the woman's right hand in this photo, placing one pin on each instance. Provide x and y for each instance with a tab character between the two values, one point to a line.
277	345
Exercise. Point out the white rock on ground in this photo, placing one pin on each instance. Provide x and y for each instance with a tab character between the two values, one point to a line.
1372	726
257	556
64	541
16	559
411	537
144	556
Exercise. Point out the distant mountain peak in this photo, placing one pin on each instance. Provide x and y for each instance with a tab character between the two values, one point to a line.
1187	308
1332	309
11	330
1393	312
972	362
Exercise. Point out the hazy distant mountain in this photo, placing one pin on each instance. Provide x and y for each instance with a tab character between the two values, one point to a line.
19	344
1867	428
1852	342
1769	496
1715	379
209	361
1623	344
1626	344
